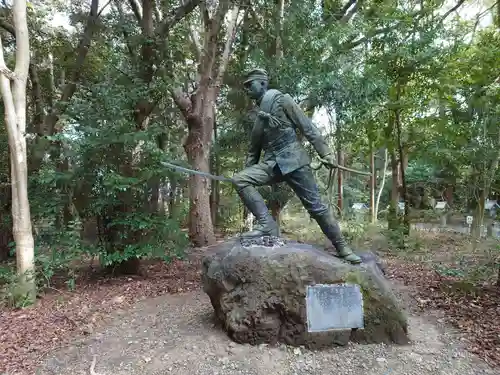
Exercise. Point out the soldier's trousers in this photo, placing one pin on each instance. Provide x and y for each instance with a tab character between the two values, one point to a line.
301	181
304	185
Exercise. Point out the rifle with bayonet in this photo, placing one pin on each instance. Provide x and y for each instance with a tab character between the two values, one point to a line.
180	168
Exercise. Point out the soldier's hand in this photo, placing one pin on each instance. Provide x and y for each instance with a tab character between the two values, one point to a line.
329	161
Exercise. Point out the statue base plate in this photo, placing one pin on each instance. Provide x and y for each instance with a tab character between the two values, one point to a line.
265	241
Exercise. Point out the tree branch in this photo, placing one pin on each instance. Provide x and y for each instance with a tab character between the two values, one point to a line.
457	5
254	15
205	15
158	13
7	72
347	16
231	33
8	102
136	9
33	75
354	43
118	5
340	15
144	107
195	39
37	95
182	101
177	15
207	61
81	51
49	125
104	7
7	26
22	48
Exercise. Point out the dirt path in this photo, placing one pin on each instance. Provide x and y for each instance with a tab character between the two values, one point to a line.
176	335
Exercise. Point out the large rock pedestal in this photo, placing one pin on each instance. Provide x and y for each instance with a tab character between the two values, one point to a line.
258	294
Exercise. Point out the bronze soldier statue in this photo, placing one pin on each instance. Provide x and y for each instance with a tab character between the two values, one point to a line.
286	160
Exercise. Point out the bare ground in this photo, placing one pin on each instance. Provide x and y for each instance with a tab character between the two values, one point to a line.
176	335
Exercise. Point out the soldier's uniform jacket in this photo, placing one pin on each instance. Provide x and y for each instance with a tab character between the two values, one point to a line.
274	132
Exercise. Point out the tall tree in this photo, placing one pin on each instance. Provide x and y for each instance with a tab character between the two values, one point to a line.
14	99
199	109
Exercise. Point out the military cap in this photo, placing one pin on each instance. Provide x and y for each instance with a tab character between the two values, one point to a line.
260	74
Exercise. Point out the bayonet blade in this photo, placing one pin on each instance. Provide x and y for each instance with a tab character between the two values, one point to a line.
192	171
341	168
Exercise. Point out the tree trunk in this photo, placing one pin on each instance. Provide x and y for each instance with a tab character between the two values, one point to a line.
275	204
152	202
215	193
393	207
6	237
15	120
172	197
395	191
477	224
340	175
392	215
199	113
6	234
247	219
62	167
382	184
488	176
121	234
498	275
197	147
448	195
181	194
373	186
403	163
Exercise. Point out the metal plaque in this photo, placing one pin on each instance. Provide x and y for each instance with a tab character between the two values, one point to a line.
441	205
360	206
334	307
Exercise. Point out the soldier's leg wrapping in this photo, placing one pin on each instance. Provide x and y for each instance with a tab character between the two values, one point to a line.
246	181
303	183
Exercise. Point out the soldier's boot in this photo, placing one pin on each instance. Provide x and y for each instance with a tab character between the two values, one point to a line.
332	231
266	226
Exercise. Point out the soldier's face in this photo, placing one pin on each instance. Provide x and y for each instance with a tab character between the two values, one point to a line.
254	89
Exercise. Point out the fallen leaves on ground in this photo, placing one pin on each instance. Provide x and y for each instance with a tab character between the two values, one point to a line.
473	309
27	335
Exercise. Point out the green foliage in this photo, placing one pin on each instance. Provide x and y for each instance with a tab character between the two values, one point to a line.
11	295
354	231
449	271
360	66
